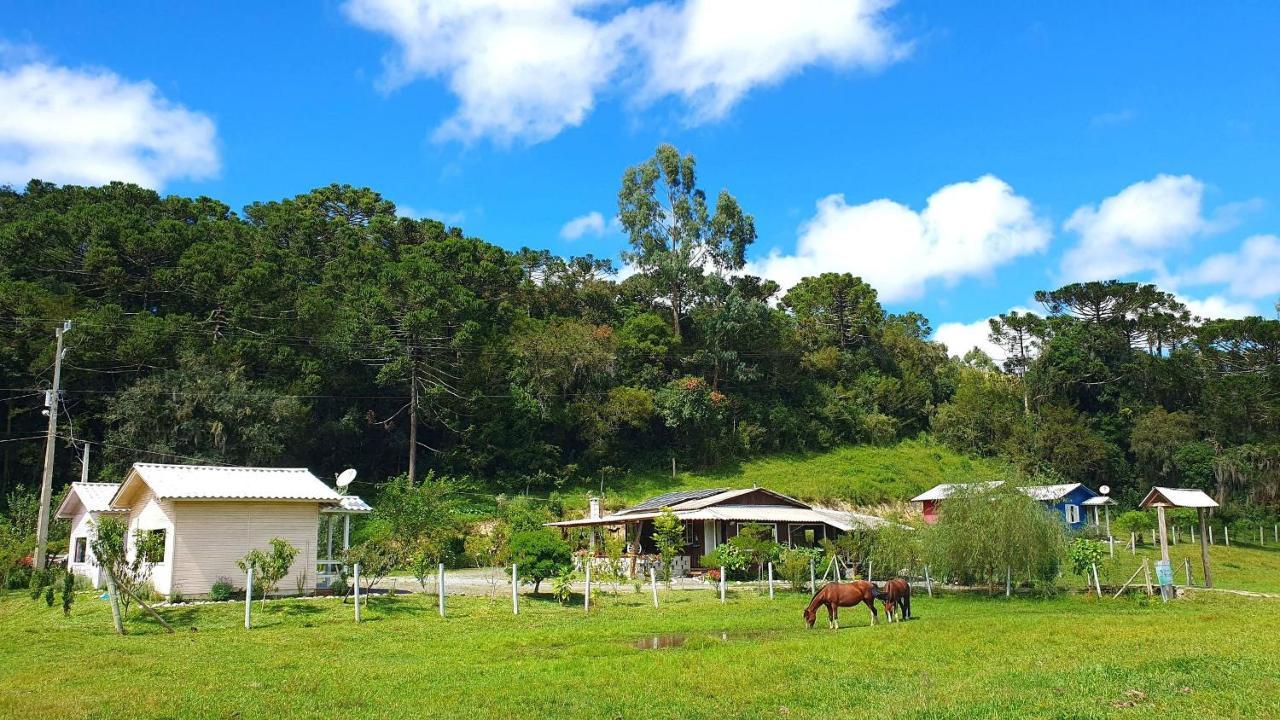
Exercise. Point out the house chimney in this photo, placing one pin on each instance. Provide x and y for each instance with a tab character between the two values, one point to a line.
594	508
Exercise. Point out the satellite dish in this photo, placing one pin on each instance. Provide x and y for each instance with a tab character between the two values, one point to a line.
1104	489
345	478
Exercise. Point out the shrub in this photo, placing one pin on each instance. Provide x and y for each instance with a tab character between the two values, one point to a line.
539	554
269	568
725	556
756	544
1084	554
222	589
793	565
176	598
68	592
48	595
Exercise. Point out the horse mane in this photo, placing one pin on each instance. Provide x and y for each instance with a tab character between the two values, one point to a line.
818	597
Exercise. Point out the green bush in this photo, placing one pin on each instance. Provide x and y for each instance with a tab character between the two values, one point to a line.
68	592
727	556
540	554
793	565
984	533
222	589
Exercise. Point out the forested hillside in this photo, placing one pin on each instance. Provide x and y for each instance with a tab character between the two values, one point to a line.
326	331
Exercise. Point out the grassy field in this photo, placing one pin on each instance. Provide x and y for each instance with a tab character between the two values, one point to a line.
1239	567
1209	656
860	474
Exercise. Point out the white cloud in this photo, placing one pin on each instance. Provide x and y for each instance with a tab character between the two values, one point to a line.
590	224
966	229
92	127
527	69
1217	306
960	338
1253	271
711	53
1133	230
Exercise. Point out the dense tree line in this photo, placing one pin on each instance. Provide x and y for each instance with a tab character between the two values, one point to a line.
326	331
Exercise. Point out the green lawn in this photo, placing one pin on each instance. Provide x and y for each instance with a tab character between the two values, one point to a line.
861	474
965	657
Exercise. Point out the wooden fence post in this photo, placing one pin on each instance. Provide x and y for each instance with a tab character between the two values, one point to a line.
1186	565
1146	573
928	583
515	590
248	597
1133	543
586	596
653	584
770	581
356	585
1204	548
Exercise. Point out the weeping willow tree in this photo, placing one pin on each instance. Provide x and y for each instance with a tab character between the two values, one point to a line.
986	534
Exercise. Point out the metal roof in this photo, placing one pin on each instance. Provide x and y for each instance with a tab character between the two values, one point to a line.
1178	497
211	482
1043	493
1099	500
350	505
672	499
95	497
944	491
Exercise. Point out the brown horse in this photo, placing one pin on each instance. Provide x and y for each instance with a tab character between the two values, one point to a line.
897	592
838	595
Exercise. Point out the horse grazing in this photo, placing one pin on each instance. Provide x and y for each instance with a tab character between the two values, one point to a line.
838	595
897	592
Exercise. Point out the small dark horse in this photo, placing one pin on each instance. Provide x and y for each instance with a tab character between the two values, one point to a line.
838	595
897	592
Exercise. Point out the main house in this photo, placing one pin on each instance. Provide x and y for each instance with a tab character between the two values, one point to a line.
1068	500
713	516
209	517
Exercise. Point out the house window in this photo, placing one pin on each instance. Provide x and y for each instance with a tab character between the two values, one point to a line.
82	550
691	535
1073	514
154	545
738	526
804	535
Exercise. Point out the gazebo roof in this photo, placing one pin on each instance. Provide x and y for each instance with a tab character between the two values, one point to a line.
1177	497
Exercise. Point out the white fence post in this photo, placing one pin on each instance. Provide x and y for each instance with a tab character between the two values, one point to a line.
1210	534
1008	582
1186	565
356	585
813	583
440	586
928	582
1226	534
653	584
721	583
248	597
586	596
770	581
515	590
1096	584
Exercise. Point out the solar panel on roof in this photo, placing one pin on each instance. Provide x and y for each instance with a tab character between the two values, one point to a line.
674	498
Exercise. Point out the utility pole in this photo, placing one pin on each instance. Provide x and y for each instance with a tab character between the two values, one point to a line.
46	482
413	423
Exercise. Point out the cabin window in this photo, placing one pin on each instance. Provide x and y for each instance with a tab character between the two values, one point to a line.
82	550
804	535
154	545
691	539
738	526
1073	514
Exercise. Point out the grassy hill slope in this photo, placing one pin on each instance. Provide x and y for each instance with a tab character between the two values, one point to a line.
859	474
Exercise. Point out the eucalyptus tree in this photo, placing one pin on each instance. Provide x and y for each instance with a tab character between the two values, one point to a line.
675	236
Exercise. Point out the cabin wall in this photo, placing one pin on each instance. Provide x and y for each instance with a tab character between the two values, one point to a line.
213	535
82	524
147	513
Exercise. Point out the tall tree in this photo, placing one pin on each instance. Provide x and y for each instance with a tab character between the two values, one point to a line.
675	237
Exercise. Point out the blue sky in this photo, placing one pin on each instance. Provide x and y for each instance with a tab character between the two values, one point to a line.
959	156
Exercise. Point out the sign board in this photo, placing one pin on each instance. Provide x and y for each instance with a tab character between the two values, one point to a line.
1164	573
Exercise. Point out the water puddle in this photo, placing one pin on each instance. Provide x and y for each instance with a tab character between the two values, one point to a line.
661	642
658	642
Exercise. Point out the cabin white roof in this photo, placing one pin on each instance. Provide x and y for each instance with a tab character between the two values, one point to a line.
1099	500
212	482
95	497
946	490
1178	497
350	505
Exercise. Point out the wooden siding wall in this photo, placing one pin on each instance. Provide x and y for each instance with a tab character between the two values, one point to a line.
213	535
146	512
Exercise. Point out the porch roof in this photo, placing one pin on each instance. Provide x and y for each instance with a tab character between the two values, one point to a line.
743	513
